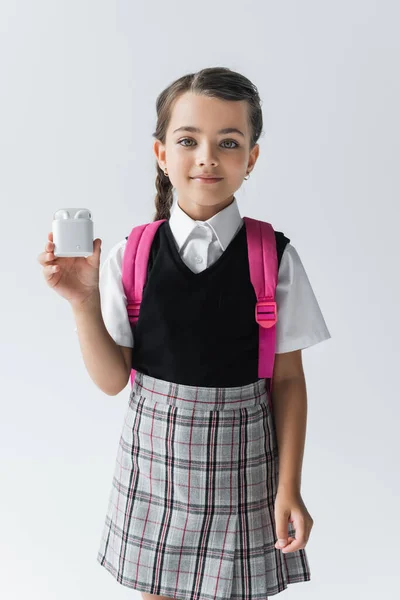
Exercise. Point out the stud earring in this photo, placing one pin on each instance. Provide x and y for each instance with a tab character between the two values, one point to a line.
165	173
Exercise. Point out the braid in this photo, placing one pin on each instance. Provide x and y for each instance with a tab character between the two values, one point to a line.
164	197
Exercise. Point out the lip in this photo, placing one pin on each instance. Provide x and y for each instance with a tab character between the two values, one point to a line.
207	179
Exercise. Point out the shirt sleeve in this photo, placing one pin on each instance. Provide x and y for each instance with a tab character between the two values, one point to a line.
113	298
300	321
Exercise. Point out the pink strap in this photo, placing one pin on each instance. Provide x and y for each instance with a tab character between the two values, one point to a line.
263	263
134	268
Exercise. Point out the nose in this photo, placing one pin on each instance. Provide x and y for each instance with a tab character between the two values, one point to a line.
203	162
205	157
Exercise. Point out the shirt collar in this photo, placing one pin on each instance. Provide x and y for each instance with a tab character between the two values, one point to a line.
225	224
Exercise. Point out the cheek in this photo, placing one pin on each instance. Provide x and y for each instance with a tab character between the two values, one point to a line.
183	165
239	160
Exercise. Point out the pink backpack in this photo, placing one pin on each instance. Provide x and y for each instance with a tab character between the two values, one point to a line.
263	263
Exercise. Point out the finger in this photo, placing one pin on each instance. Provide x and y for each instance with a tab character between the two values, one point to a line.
299	525
94	259
49	257
46	258
289	540
282	529
300	540
50	236
49	271
297	544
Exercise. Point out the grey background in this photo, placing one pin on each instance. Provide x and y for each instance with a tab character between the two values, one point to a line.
79	80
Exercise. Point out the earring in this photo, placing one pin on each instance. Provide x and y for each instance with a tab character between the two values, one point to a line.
165	173
248	176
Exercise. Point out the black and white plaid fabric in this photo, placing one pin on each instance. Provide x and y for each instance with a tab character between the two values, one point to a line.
191	509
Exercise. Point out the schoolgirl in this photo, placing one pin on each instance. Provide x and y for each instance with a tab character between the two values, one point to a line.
208	469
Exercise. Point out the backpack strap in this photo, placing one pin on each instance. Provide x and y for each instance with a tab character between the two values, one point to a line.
134	268
263	263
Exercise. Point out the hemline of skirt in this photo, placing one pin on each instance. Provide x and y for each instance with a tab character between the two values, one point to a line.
163	591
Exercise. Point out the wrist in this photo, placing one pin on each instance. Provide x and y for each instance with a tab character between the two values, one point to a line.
90	302
291	486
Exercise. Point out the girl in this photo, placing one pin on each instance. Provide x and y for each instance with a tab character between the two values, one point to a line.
205	500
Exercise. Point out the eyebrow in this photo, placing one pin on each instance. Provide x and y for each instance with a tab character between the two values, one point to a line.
197	130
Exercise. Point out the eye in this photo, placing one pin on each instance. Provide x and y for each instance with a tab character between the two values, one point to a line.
190	140
184	140
231	142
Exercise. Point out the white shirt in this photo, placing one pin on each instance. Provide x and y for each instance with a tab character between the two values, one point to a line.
200	243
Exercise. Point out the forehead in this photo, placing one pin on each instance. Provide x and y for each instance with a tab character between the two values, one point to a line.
208	114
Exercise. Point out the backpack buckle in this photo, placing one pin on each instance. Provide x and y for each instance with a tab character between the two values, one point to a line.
266	313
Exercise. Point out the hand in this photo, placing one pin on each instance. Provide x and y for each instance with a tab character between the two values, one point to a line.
289	507
75	278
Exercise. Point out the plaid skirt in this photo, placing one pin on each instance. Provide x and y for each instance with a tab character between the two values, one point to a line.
191	509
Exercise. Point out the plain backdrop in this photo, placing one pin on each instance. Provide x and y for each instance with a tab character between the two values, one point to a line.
79	81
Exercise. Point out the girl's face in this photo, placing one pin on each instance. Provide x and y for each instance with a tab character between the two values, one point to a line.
188	154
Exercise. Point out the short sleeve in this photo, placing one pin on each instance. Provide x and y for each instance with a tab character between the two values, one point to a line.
113	298
300	321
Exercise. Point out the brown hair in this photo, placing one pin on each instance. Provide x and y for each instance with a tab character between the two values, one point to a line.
214	82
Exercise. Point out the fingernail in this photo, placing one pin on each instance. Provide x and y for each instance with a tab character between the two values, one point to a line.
282	542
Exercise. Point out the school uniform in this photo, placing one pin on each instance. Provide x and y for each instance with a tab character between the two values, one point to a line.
191	509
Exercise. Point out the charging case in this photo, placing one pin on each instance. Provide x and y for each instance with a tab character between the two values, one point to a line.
73	232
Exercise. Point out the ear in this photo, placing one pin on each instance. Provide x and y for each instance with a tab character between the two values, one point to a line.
253	157
159	151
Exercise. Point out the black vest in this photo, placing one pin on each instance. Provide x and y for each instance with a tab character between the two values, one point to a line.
199	328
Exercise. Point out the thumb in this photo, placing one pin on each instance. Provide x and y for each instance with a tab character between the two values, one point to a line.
94	259
282	530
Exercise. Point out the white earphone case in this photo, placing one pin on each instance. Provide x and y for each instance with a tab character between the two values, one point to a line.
72	232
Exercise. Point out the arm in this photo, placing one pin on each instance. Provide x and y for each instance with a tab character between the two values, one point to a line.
108	364
289	399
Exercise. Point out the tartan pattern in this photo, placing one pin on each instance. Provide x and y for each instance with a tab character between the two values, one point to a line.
191	509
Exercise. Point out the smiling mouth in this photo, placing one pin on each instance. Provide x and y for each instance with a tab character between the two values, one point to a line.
207	179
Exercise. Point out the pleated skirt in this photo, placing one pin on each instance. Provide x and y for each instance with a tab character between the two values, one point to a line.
191	509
